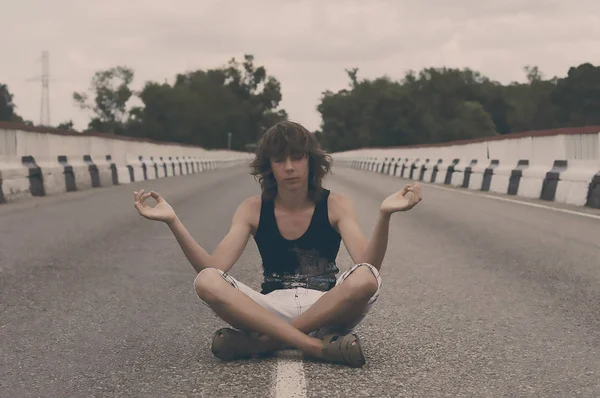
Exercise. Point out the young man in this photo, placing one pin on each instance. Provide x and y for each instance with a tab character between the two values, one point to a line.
298	226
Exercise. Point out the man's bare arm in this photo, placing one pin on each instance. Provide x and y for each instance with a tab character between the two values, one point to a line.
374	250
378	243
361	250
227	251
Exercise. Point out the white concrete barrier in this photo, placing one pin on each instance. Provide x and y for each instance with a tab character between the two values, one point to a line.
559	165
574	183
14	178
502	176
39	161
532	179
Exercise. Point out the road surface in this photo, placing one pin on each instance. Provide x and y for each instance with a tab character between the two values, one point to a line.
481	297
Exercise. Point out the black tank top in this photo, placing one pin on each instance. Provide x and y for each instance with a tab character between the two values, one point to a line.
308	261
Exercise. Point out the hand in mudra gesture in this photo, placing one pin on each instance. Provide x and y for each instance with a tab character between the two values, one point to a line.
402	200
162	211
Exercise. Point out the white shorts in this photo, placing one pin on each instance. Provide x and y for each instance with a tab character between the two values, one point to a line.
290	303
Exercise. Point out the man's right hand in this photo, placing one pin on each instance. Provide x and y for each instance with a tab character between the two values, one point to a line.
161	212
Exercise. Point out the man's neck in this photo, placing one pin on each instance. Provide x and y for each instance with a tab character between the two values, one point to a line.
293	200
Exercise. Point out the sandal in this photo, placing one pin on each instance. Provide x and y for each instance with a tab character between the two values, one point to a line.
229	344
343	349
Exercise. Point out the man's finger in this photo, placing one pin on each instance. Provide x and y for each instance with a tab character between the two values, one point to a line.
156	196
143	198
141	209
417	189
416	192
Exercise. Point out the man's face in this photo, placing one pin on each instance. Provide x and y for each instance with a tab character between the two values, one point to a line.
290	171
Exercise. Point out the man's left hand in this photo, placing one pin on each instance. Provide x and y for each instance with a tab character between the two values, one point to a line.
402	200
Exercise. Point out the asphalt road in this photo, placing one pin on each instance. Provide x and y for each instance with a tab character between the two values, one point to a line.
480	297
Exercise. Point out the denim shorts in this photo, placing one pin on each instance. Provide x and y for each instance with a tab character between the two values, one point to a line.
290	303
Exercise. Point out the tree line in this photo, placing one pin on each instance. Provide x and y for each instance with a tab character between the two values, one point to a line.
434	105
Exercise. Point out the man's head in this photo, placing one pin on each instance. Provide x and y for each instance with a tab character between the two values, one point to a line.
288	150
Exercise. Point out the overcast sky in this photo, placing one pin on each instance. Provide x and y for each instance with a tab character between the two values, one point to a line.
305	44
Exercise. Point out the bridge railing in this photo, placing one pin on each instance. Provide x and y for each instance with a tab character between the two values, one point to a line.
38	161
560	165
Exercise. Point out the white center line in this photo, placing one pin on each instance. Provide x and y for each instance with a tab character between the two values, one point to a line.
290	381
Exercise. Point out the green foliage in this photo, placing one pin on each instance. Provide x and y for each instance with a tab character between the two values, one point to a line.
201	107
433	105
111	94
67	126
441	104
576	98
7	107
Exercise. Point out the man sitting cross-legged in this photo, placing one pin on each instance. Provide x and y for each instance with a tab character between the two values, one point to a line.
298	226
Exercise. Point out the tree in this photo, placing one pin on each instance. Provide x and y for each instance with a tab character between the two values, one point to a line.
445	104
470	121
434	105
67	126
111	94
201	107
576	97
7	106
258	94
531	106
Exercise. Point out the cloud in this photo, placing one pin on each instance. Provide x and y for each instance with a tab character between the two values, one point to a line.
305	44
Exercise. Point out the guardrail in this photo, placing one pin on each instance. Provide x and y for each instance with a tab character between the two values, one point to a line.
40	162
556	165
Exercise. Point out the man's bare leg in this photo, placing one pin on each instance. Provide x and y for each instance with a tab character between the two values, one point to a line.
342	305
240	311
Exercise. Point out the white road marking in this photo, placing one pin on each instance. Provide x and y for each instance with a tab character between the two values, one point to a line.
290	381
515	201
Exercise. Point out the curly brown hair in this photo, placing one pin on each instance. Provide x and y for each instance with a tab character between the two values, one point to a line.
290	138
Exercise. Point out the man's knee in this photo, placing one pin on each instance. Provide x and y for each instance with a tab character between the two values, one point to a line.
207	283
361	284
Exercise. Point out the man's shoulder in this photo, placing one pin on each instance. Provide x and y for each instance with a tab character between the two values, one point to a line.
251	204
249	209
338	204
338	199
248	212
